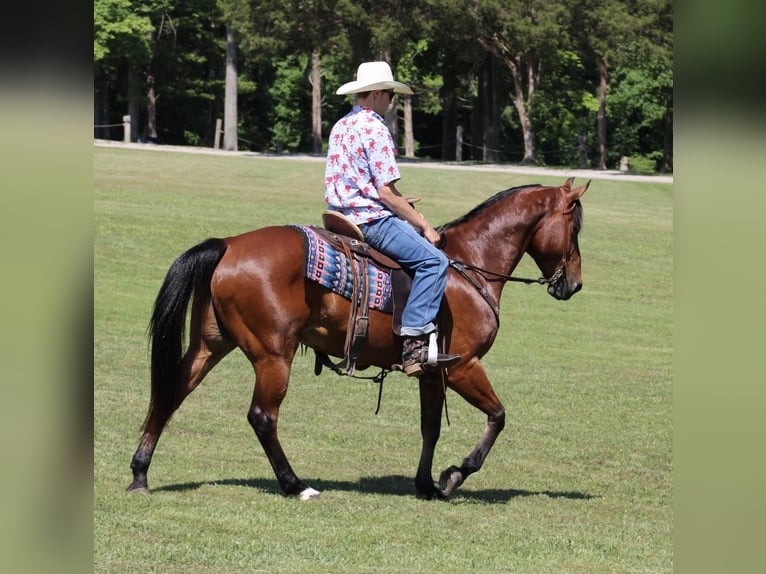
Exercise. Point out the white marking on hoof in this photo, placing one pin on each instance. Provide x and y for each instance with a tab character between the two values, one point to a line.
309	494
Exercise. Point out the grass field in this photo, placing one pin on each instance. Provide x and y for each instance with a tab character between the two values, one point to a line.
579	481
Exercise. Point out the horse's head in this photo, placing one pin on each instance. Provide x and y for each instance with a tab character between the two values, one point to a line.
554	245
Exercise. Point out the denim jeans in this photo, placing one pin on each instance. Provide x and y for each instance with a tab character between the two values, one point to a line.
399	240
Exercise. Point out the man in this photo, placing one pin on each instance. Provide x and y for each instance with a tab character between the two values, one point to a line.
360	183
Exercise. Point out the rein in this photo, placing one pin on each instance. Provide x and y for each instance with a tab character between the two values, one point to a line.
461	267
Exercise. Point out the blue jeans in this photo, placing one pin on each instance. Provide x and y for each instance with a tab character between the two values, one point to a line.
399	240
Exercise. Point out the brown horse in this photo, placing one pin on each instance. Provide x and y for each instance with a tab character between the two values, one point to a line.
249	291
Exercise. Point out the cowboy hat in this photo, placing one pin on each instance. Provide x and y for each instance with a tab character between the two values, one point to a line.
373	76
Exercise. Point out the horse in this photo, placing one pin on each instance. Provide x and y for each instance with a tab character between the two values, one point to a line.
249	291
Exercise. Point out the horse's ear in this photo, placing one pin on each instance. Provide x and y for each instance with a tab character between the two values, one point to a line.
576	193
568	184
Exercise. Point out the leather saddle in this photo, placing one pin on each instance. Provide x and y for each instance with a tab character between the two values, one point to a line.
345	236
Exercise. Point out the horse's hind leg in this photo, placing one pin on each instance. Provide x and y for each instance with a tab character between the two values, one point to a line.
272	374
206	348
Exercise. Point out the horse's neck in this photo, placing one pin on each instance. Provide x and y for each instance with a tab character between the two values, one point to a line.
497	238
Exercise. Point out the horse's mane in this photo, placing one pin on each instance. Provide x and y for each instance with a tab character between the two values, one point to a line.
499	196
484	205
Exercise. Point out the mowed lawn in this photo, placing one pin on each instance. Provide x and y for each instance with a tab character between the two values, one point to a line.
580	480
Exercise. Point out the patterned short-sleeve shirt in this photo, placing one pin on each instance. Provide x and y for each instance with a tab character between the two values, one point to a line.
361	157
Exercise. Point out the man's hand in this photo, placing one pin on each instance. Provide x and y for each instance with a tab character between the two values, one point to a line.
432	235
400	205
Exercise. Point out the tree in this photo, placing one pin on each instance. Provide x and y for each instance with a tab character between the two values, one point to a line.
164	57
396	32
456	57
122	39
620	38
509	74
564	111
305	27
655	39
522	35
603	28
237	16
230	120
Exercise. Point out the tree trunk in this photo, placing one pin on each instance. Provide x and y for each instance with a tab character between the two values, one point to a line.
490	141
316	101
523	104
391	117
603	77
151	110
101	107
667	151
582	146
133	102
449	124
230	97
409	140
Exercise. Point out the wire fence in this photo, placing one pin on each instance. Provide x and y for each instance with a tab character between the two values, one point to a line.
484	151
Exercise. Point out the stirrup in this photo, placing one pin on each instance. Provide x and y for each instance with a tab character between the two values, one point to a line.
427	356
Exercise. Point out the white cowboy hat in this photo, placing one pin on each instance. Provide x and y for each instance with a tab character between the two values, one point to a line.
373	76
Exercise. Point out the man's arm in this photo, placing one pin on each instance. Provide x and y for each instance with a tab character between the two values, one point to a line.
397	203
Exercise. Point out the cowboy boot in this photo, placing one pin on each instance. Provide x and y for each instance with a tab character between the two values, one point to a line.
416	356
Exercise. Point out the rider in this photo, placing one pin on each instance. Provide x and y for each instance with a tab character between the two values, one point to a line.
360	183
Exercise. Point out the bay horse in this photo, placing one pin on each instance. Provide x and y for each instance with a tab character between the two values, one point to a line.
249	291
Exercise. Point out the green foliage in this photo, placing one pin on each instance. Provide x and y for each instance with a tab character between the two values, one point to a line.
640	98
121	29
190	138
563	110
644	164
291	94
409	70
437	46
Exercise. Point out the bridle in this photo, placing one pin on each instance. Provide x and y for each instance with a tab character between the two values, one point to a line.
462	267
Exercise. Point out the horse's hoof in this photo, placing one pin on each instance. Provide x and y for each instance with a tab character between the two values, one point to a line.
139	488
450	479
309	494
438	495
428	491
434	494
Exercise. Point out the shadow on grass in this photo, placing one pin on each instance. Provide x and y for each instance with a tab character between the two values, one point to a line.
395	485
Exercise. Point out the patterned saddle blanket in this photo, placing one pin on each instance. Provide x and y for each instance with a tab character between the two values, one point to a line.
330	267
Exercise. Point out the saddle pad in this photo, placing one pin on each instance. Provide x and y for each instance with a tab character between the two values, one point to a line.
331	268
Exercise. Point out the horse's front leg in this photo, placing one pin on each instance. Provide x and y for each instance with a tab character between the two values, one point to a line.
431	403
474	386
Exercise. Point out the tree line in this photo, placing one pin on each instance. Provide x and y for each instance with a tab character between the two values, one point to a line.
580	83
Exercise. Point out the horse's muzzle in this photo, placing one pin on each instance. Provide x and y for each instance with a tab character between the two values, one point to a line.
563	289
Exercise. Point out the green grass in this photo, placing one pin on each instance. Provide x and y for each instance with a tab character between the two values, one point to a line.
579	481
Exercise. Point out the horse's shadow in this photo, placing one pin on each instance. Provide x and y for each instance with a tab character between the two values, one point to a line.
393	485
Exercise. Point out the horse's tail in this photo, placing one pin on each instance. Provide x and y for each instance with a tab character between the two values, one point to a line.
190	273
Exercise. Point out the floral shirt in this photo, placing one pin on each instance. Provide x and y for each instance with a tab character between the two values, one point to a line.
361	157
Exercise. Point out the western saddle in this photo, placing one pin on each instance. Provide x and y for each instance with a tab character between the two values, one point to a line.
344	235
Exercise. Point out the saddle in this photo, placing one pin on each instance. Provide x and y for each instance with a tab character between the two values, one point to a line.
346	237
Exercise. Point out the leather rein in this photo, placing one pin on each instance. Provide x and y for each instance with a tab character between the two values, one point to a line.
462	267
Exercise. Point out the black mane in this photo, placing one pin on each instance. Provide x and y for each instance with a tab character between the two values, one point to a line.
484	205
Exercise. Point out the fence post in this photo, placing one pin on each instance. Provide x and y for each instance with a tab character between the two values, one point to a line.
459	144
217	138
126	129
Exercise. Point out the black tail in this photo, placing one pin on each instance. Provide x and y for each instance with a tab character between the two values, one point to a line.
191	271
